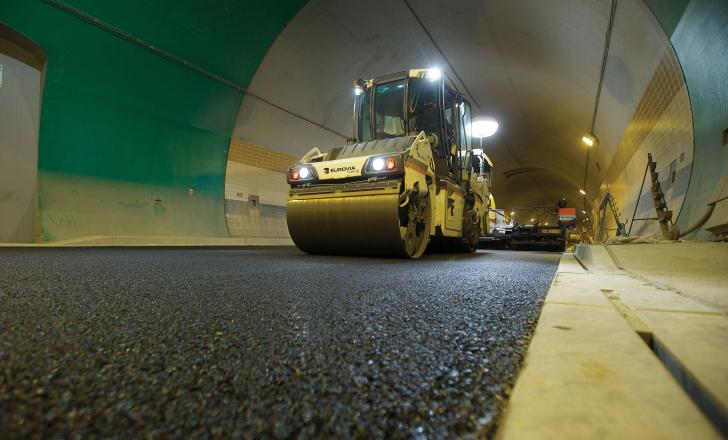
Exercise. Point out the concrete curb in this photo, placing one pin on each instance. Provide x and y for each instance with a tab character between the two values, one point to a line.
588	372
147	241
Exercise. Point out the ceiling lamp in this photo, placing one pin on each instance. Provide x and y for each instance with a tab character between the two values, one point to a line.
589	140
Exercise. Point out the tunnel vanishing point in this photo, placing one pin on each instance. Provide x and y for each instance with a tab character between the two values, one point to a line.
327	218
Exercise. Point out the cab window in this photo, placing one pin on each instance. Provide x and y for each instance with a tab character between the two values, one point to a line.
449	118
389	120
466	133
365	124
423	108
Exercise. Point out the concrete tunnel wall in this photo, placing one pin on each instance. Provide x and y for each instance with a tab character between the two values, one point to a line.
681	124
700	39
21	64
134	144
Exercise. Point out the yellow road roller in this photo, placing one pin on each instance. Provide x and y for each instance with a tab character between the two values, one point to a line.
408	178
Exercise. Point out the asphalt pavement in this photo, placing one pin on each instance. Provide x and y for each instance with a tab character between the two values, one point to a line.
256	343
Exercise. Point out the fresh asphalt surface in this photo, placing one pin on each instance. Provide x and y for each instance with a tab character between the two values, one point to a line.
254	343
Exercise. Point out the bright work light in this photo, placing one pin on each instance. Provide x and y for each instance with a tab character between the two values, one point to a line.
434	74
484	127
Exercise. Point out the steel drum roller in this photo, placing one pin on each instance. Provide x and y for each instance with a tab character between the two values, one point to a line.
361	224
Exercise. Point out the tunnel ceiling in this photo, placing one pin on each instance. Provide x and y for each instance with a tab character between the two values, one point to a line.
533	65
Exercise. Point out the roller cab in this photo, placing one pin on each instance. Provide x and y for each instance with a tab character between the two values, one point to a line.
409	178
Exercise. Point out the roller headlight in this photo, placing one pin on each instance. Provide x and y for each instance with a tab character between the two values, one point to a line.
378	164
301	173
383	164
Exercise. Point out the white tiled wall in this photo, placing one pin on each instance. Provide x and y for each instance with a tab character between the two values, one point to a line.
255	197
663	126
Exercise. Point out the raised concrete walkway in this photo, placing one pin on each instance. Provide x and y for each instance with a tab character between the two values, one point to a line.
150	241
632	342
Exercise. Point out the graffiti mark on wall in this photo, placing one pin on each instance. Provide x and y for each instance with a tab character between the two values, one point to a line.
65	222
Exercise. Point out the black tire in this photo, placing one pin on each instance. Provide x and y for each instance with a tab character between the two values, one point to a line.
471	237
416	219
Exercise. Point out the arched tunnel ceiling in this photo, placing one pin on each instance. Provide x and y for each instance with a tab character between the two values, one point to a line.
532	64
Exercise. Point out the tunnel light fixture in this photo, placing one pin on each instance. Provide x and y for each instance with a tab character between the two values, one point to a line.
513	212
484	127
433	74
589	140
533	220
583	212
582	192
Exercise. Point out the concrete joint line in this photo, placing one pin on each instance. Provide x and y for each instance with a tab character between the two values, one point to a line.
688	312
632	319
566	303
668	288
703	398
708	404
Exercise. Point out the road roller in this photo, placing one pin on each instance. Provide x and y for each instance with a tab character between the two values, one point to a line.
408	178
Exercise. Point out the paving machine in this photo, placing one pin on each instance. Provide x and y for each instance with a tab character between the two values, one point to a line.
409	177
554	237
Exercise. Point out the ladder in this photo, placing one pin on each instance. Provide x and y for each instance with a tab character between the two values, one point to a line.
664	215
602	233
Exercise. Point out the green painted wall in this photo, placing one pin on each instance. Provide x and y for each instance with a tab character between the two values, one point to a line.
668	12
124	133
701	43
